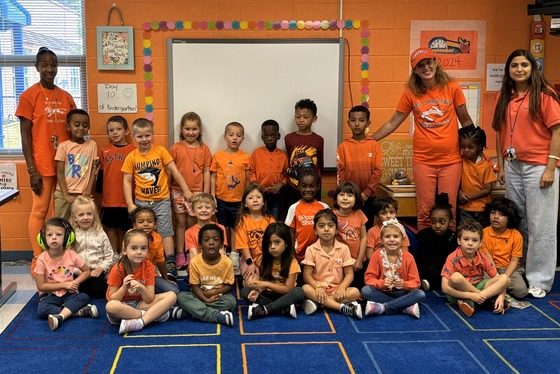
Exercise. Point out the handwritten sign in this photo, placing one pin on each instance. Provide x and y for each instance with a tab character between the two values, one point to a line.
8	176
117	98
397	155
494	76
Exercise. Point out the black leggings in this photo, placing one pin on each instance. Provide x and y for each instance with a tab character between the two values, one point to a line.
275	302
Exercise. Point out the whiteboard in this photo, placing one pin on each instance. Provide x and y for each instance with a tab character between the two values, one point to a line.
252	80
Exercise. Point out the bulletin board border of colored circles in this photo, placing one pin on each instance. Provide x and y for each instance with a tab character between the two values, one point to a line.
301	25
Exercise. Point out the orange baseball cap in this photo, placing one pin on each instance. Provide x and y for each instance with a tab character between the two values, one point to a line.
420	54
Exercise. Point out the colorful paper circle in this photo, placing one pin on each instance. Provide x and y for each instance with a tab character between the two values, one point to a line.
147	59
300	24
148	84
149	100
150	116
284	25
147	43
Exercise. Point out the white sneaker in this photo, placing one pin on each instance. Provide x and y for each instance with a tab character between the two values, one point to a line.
537	293
425	285
308	306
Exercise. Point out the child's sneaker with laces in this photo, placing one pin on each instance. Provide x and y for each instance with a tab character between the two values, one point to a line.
55	320
256	311
308	306
466	306
425	285
181	261
171	270
291	311
177	313
374	309
88	311
537	293
131	325
352	309
413	310
225	318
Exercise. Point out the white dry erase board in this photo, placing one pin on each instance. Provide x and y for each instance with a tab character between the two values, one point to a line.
252	80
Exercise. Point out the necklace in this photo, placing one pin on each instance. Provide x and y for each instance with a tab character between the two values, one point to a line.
193	159
51	112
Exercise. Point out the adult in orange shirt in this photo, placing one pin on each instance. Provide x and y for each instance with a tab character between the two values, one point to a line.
42	110
437	103
527	124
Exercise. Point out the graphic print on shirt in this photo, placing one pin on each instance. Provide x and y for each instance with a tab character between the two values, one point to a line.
231	176
76	166
302	157
348	232
431	112
150	172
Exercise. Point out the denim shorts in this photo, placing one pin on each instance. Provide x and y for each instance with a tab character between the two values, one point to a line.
162	209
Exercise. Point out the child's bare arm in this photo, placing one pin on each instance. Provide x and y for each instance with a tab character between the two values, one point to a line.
127	189
206	179
213	178
61	179
358	265
513	265
187	194
477	195
93	173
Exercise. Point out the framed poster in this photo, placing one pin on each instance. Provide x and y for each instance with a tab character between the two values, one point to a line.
115	48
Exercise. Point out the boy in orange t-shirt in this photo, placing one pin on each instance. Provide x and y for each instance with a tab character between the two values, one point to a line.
230	173
269	165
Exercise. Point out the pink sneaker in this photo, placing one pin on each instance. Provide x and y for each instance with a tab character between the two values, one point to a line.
181	261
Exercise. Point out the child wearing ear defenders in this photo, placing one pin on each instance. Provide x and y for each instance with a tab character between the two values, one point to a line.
59	298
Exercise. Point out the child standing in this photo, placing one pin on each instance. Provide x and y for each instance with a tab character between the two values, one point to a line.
463	273
92	245
435	243
269	165
384	208
230	172
358	159
392	280
76	163
212	279
477	177
193	160
148	165
144	218
59	298
304	149
328	272
204	207
114	215
503	244
131	300
352	226
300	215
275	290
252	221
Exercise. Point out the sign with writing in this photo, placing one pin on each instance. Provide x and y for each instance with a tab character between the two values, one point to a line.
494	76
115	48
8	177
397	156
117	98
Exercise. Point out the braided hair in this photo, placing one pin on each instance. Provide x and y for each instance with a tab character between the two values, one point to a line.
475	133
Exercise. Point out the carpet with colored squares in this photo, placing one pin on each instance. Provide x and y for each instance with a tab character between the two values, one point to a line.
443	340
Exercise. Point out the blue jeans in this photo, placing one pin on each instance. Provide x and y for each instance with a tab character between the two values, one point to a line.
539	208
273	202
396	300
162	286
49	303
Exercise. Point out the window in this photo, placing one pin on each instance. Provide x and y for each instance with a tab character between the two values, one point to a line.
25	26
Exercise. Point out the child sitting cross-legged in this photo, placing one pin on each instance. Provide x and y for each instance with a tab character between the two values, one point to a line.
463	274
392	280
328	270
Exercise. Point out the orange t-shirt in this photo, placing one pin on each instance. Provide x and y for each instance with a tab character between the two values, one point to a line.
531	140
502	247
191	163
111	159
436	135
191	237
475	176
47	110
359	162
350	229
268	168
249	234
146	274
231	169
300	218
149	173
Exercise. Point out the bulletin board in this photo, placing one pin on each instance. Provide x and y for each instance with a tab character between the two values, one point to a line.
252	80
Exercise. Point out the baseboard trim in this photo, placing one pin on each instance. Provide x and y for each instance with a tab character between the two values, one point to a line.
12	256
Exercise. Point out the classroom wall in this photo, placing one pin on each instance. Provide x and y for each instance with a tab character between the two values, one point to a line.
388	26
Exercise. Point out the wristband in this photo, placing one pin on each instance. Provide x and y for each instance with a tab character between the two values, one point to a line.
554	157
249	261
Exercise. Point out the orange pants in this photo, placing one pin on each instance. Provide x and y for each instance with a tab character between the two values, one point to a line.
431	180
37	218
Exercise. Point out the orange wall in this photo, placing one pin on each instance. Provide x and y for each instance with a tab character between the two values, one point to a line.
507	28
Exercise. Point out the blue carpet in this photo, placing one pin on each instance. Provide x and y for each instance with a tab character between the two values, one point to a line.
442	341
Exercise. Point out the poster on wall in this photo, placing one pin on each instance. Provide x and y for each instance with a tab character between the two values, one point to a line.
117	98
459	45
8	176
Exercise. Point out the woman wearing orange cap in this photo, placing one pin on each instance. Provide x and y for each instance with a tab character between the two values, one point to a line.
437	103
